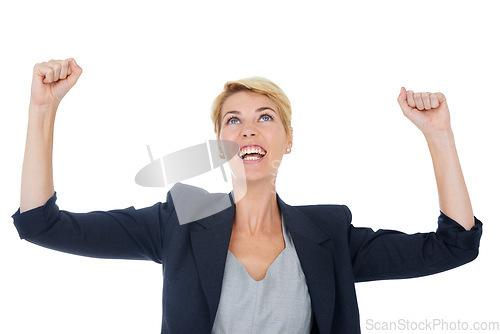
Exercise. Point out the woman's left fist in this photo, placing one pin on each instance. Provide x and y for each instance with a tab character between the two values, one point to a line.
428	111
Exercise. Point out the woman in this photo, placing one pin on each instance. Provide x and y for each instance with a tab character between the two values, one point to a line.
257	265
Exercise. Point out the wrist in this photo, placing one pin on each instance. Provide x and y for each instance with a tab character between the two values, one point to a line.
42	117
437	136
45	110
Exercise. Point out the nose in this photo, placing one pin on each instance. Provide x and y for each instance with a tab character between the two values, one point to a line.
249	131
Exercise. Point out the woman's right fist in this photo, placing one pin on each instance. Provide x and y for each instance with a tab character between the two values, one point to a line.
52	80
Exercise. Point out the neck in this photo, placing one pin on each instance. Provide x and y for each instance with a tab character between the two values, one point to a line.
257	209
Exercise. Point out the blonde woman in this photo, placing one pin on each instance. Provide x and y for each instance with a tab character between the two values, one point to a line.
257	265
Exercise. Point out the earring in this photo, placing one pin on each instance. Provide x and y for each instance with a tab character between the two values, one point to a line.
221	155
288	149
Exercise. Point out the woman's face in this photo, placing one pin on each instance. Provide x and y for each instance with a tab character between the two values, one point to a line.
252	118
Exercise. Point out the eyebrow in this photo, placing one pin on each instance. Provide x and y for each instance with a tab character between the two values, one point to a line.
239	112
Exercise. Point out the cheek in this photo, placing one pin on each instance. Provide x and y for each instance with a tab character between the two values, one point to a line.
224	133
229	129
223	129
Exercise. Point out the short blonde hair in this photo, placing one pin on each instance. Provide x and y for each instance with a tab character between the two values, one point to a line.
258	85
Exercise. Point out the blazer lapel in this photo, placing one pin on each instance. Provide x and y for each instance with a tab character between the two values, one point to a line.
210	242
314	249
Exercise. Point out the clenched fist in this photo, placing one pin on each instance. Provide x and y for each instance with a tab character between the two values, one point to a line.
428	111
52	80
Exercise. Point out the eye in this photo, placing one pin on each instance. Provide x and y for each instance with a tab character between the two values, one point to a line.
229	121
267	115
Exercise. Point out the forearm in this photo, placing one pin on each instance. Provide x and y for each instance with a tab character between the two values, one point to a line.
37	184
454	199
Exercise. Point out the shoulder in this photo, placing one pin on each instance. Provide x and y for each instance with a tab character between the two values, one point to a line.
332	218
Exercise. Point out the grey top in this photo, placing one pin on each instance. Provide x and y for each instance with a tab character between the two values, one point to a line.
279	303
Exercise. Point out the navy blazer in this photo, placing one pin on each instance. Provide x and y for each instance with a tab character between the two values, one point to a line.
332	252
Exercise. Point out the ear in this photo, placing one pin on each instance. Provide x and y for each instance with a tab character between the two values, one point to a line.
290	142
218	145
221	151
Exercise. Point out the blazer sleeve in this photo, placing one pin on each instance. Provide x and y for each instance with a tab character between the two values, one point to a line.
389	254
116	234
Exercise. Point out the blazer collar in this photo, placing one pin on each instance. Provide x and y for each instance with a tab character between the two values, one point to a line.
210	238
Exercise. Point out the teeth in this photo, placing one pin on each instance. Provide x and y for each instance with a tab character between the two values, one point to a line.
252	150
252	158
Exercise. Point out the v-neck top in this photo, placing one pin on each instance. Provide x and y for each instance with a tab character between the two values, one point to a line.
279	303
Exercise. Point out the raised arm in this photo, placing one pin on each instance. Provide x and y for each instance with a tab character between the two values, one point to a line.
389	254
430	113
121	233
51	81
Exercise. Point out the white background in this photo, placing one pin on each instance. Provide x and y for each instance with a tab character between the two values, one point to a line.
150	74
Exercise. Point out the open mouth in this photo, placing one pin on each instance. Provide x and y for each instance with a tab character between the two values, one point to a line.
251	153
